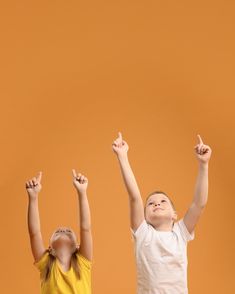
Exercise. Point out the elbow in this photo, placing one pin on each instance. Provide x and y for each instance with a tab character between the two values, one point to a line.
85	228
34	234
201	205
135	198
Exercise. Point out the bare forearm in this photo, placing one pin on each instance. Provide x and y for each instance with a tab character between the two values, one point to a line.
201	188
33	217
129	178
84	212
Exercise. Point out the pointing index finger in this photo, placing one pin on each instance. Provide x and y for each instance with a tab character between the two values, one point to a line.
120	135
39	177
74	173
200	139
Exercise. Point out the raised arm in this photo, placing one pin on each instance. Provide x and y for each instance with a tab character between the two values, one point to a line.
33	188
120	147
81	182
203	154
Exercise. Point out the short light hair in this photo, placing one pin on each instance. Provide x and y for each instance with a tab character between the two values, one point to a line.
160	192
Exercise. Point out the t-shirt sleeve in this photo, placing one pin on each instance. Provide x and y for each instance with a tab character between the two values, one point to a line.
42	262
184	231
84	262
141	231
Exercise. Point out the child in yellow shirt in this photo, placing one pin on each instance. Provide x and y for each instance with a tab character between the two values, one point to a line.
65	267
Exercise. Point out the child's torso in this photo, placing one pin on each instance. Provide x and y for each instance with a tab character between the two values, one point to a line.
61	281
161	259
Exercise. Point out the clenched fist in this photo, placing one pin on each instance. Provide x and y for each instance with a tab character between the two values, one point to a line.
80	182
33	186
120	147
203	152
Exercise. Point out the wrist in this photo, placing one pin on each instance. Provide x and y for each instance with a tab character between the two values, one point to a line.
203	165
122	157
82	193
33	198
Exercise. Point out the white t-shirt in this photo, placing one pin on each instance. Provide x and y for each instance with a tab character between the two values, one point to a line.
161	259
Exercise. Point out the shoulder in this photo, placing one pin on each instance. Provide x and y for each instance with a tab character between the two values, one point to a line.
181	229
83	261
42	261
143	229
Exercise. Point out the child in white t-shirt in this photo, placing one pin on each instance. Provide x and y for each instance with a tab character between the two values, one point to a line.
161	240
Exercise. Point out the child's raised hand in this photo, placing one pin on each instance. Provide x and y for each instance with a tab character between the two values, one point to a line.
34	186
203	152
80	182
120	147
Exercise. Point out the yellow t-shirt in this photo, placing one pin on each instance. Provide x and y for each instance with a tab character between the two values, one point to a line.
61	282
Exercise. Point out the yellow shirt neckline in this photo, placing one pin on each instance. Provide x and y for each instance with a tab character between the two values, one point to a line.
61	269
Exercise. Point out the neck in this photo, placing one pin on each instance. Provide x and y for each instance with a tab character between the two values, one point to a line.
65	259
164	226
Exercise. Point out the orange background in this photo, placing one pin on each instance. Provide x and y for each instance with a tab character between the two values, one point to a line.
74	73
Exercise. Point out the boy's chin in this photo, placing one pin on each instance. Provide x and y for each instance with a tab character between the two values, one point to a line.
154	220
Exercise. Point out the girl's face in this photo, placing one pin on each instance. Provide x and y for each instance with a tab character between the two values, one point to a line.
158	208
63	239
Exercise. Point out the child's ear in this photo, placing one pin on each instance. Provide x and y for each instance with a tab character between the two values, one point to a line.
76	249
77	246
52	251
175	216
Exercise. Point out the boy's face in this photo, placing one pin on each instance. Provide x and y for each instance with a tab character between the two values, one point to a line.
159	209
